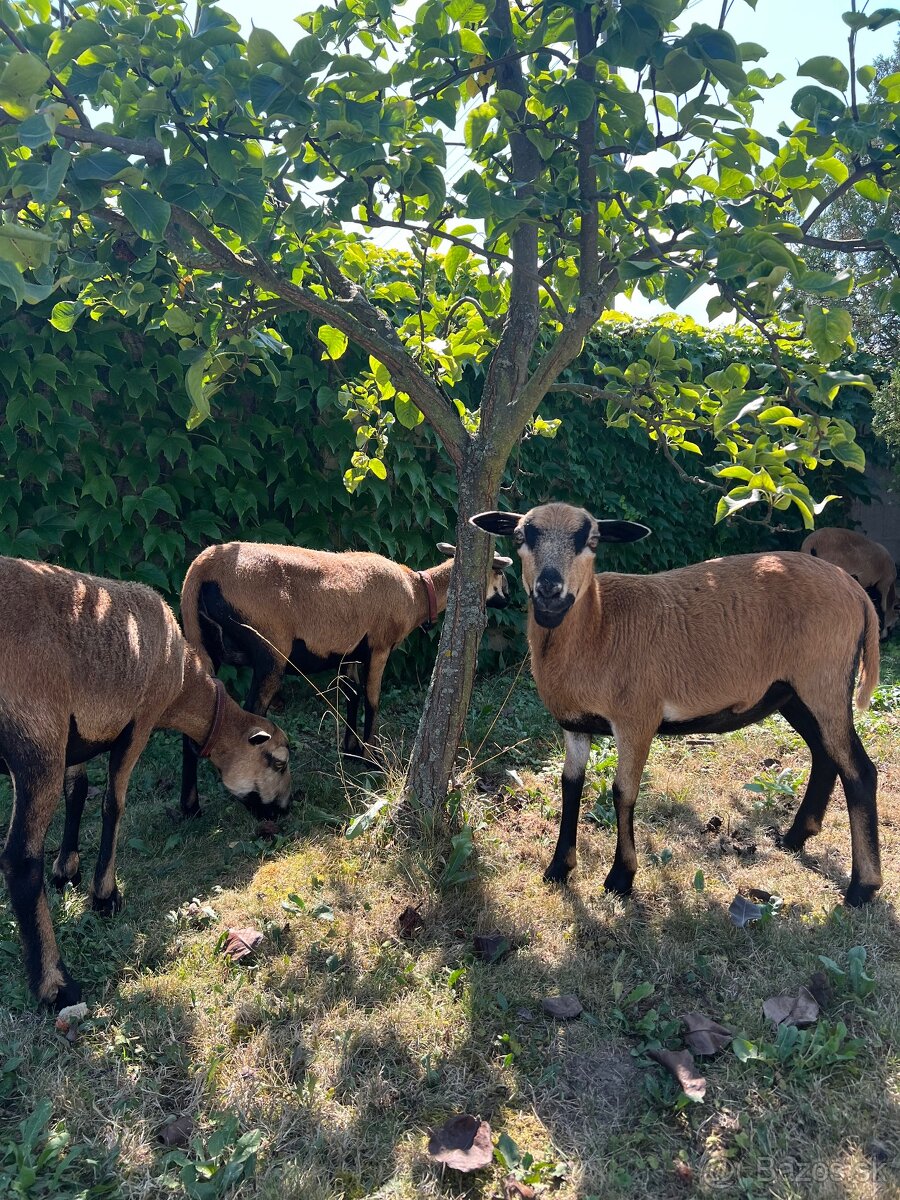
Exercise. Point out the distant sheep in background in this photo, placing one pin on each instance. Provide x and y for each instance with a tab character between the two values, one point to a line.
706	648
276	608
869	564
87	666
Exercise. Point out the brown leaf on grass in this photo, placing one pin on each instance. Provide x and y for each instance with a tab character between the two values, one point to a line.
802	1009
680	1065
410	922
704	1035
515	1189
267	830
177	1132
463	1143
492	947
742	911
241	943
564	1008
683	1171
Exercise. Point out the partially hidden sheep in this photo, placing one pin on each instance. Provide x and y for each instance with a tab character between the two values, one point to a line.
90	666
869	564
284	609
706	648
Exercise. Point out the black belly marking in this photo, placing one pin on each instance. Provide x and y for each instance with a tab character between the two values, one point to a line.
303	660
79	750
724	721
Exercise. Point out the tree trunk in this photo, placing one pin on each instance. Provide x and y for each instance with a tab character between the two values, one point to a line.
450	690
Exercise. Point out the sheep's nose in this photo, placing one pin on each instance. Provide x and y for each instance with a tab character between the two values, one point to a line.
549	586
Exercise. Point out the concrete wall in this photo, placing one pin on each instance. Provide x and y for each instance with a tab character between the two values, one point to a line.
881	521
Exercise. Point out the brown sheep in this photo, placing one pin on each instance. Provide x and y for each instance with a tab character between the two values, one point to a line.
89	666
278	608
706	648
869	564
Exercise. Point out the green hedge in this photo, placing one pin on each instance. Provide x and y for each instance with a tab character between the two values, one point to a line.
101	474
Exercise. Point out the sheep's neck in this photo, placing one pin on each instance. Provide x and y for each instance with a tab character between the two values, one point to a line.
440	581
193	709
557	655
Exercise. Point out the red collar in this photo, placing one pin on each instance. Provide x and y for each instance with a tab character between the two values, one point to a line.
432	599
217	719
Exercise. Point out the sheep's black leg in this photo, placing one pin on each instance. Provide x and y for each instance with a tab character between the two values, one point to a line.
350	683
822	777
578	749
372	683
67	867
633	750
860	781
37	781
190	800
105	896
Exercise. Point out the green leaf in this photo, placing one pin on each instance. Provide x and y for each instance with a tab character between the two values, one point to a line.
102	165
453	260
11	279
35	131
65	314
407	413
581	98
264	47
828	70
146	213
828	329
193	383
813	102
850	454
334	341
377	467
241	215
178	321
22	79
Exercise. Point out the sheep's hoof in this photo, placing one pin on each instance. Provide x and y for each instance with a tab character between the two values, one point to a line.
557	872
859	894
67	993
60	881
794	840
619	883
110	905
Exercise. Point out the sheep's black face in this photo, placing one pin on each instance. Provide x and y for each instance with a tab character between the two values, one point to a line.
556	543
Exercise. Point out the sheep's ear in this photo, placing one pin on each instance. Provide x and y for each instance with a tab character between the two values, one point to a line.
501	562
621	531
259	738
501	524
447	548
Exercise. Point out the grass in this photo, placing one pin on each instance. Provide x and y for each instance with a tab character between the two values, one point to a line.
317	1070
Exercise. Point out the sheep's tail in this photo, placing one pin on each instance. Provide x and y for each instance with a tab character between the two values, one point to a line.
190	618
868	673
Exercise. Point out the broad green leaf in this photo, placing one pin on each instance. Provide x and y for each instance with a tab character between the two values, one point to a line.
453	260
22	79
850	454
65	314
334	341
264	47
828	70
146	213
194	385
11	279
241	215
178	321
828	329
407	413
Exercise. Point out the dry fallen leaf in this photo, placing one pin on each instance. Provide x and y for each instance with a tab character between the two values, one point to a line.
680	1065
802	1009
177	1132
492	947
514	1189
267	830
683	1171
410	922
742	911
704	1035
565	1008
241	943
463	1143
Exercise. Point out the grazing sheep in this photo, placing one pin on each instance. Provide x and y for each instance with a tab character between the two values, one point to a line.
88	666
278	608
706	648
869	564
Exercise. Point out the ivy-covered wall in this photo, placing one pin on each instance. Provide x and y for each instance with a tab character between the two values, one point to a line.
100	473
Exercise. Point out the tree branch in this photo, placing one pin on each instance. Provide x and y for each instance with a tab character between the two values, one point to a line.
353	314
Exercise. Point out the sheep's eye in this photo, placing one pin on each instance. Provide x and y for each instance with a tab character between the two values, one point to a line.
277	764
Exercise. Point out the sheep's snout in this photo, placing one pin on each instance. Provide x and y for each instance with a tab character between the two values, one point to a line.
549	599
